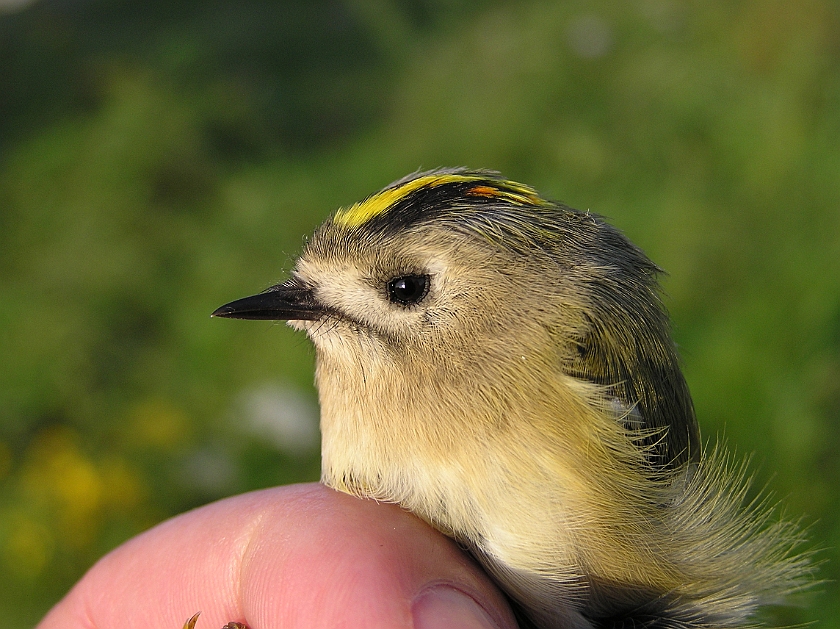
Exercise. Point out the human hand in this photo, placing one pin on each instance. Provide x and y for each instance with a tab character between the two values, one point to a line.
298	556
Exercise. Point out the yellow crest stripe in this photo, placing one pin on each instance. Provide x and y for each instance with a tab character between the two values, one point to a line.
379	203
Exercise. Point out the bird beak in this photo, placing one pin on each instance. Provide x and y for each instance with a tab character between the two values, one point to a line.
289	301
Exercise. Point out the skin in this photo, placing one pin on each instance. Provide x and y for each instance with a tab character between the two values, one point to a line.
298	556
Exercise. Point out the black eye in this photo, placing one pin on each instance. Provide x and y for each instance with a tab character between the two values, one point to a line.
408	289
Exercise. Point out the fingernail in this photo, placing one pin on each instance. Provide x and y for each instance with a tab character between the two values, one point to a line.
444	607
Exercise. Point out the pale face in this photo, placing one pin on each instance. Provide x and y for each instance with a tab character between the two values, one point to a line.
415	293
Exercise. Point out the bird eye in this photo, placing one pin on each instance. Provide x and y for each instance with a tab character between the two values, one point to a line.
408	289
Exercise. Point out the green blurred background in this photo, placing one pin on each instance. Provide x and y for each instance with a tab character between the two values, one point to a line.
160	158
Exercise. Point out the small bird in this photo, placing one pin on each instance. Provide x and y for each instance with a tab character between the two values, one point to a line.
502	366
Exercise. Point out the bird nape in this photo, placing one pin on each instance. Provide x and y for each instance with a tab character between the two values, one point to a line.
502	366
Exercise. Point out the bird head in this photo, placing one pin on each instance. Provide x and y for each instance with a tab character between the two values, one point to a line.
455	294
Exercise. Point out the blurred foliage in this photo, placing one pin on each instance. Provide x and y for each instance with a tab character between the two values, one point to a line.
160	158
